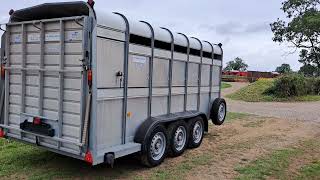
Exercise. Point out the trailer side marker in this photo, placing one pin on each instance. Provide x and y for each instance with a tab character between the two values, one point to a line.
88	158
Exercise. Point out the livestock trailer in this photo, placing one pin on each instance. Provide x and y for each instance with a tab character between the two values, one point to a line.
97	86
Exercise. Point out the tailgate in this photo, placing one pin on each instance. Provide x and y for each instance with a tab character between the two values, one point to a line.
45	79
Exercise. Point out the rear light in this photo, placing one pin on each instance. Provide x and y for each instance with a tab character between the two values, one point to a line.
3	71
2	135
88	158
36	121
90	77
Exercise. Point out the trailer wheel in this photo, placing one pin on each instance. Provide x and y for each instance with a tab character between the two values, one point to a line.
218	111
156	147
196	132
178	134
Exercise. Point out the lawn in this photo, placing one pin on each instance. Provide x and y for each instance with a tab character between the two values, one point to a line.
225	85
255	92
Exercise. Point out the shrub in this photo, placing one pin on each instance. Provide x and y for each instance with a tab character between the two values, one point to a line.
292	85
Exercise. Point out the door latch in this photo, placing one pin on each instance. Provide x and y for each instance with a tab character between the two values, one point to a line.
119	76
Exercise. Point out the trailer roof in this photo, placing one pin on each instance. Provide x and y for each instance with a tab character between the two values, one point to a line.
110	20
51	10
115	21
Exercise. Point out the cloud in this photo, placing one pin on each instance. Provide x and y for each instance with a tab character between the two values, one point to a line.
237	28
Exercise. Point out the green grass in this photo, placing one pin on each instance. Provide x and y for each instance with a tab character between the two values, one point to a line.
273	165
231	116
225	85
182	168
255	92
17	159
310	171
276	164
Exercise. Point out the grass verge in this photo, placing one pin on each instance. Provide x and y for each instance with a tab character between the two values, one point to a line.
231	116
225	85
273	165
182	168
276	164
310	171
255	92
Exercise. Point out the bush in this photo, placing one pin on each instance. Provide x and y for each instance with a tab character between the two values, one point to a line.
292	85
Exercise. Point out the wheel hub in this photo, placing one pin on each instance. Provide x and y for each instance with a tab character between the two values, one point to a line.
197	132
221	112
180	138
158	146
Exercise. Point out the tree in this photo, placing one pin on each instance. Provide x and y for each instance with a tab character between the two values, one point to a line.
301	28
284	68
309	70
236	65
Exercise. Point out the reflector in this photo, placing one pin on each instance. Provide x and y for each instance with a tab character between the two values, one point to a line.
90	77
36	121
2	133
88	158
2	70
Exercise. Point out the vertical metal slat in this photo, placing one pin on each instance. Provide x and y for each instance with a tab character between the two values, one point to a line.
61	81
220	73
170	71
23	65
125	82
41	65
186	73
7	84
150	69
210	79
199	73
84	90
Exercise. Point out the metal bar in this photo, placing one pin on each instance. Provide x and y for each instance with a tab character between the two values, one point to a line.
170	70
2	85
210	81
220	74
85	91
125	90
84	138
150	69
45	70
23	64
61	82
23	73
199	73
41	64
42	117
46	20
41	136
186	73
7	85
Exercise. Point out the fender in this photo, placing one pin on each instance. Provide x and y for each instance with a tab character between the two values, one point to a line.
149	124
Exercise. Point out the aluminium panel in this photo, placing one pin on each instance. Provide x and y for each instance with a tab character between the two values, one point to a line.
109	62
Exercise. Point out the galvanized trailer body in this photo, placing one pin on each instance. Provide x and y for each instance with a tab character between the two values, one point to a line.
139	72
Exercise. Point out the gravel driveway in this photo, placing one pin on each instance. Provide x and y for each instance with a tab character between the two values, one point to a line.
309	111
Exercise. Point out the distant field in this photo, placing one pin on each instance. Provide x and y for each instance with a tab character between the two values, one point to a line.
255	92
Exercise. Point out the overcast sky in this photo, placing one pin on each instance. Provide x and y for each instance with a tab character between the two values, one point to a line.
242	26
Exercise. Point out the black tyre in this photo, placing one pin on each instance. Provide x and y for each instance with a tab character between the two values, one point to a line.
178	138
196	132
218	111
156	147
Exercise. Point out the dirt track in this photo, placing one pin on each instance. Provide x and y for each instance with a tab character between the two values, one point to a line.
309	111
